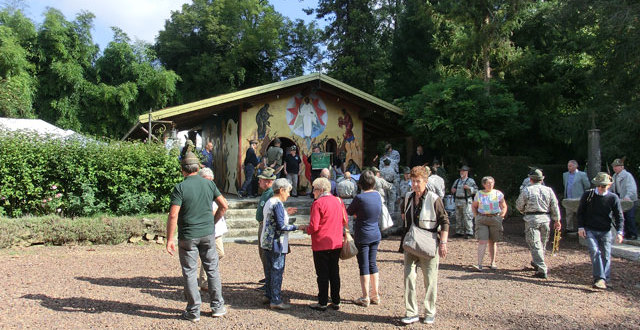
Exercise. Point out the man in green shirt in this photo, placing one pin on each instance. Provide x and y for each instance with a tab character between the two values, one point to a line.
192	213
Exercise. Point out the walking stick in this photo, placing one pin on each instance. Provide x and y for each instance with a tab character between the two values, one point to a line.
556	243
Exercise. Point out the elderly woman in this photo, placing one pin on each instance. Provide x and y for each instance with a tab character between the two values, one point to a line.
489	208
367	208
424	209
275	242
326	222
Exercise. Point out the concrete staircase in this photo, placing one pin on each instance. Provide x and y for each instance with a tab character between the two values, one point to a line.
241	217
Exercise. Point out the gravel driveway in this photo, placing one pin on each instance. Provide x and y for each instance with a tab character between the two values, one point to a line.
140	286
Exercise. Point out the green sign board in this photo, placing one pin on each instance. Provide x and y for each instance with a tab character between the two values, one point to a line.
320	160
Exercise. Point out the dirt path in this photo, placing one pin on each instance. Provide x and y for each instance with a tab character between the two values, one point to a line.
138	287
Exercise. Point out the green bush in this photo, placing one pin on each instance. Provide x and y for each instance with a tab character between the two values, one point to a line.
55	230
40	176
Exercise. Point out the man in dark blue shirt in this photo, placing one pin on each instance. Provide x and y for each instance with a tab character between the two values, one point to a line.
594	225
250	163
207	155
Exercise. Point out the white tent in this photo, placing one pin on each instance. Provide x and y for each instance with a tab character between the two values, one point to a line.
39	127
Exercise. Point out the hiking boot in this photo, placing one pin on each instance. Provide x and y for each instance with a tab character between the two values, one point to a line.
335	307
541	275
600	284
535	267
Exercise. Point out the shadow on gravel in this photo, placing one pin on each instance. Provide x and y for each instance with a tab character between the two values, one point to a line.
92	306
170	288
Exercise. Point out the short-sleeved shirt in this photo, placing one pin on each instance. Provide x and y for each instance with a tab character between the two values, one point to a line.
292	163
194	196
263	200
274	154
489	202
367	208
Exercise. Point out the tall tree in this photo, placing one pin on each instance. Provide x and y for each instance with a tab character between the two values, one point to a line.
17	73
219	46
66	55
354	42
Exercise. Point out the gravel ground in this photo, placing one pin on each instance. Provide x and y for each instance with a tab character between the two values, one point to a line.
140	286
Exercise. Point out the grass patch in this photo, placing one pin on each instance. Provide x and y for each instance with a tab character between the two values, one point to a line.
55	230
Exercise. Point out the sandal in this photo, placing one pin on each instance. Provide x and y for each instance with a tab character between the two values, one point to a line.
494	266
375	300
362	301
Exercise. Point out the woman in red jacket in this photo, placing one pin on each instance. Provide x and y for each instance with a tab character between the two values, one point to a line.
326	222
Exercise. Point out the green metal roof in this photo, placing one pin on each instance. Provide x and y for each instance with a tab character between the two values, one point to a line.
235	96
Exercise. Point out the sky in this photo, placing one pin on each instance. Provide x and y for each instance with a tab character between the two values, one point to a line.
140	19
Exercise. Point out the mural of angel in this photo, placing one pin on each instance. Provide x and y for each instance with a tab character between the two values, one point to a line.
306	116
347	122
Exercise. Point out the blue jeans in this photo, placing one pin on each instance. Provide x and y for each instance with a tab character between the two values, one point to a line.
274	267
599	243
188	251
630	223
367	254
248	177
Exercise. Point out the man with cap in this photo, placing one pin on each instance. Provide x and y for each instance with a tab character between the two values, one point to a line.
292	169
527	182
625	187
539	204
265	180
391	154
250	163
594	225
575	184
463	189
191	212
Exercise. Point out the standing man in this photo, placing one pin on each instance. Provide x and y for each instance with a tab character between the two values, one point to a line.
575	184
440	171
292	169
419	158
594	224
393	155
539	204
464	188
436	183
347	188
207	156
274	156
265	181
250	163
625	187
191	212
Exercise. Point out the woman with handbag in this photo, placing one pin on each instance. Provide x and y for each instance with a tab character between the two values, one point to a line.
326	222
489	208
424	219
367	207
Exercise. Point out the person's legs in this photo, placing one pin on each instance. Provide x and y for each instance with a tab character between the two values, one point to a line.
188	254
493	250
268	266
334	275
294	184
605	253
468	220
482	247
430	274
363	264
460	218
533	235
322	276
373	269
209	256
630	230
220	247
261	253
277	270
593	240
410	299
248	177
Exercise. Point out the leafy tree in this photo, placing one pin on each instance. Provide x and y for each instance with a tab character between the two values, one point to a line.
17	81
65	58
223	45
457	115
354	42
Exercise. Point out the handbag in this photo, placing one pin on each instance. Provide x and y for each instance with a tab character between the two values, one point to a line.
421	242
385	218
349	249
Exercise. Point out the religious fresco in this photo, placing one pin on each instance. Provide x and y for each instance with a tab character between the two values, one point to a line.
307	120
222	132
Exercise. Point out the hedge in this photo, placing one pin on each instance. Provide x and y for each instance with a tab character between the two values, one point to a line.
40	176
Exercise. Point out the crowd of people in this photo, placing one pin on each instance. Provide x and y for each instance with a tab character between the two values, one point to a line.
197	212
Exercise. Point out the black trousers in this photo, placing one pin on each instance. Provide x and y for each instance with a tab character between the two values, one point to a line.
327	272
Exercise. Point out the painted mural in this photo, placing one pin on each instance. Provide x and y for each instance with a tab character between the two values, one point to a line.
307	120
223	134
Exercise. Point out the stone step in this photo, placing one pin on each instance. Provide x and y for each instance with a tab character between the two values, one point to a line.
233	213
631	242
248	227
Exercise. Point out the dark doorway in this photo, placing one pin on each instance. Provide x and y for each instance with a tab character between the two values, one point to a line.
331	146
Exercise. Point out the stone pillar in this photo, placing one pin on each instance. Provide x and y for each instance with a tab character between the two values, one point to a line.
594	160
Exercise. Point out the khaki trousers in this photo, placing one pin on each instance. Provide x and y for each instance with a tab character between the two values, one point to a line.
429	268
